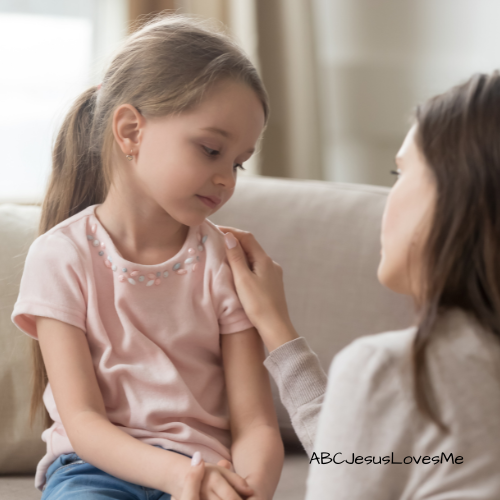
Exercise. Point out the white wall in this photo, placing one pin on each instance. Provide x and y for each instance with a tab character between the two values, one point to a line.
379	58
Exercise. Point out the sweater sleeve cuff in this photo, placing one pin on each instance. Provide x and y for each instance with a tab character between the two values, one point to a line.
297	372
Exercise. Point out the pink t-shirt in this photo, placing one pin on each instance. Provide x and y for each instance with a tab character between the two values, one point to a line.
153	332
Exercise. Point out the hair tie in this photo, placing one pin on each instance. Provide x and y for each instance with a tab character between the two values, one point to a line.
99	86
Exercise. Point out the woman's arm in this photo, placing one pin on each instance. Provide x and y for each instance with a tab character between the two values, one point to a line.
81	407
302	384
257	449
295	368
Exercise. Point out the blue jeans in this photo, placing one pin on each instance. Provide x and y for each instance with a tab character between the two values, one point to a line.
70	478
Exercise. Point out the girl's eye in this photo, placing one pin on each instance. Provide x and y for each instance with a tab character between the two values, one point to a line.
211	152
397	173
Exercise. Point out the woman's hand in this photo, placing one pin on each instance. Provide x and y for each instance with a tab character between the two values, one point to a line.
194	477
259	283
208	481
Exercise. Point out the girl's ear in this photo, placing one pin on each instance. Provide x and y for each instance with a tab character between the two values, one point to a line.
128	126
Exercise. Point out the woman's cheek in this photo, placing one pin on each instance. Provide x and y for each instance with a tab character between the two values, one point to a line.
394	247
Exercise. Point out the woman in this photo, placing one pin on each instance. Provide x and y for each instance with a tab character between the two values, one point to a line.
409	414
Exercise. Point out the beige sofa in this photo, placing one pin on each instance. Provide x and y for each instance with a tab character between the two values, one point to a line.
326	237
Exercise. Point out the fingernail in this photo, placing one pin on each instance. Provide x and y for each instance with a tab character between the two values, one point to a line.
196	459
230	240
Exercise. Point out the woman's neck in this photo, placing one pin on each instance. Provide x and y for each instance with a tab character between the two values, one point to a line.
141	230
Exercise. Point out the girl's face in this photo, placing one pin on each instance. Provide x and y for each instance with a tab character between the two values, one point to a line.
181	160
406	221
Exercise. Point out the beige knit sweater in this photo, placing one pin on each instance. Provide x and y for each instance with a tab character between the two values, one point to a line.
367	409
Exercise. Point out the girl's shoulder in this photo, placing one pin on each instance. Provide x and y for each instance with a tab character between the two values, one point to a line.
65	241
72	227
213	239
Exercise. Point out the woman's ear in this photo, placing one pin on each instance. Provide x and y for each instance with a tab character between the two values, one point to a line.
128	125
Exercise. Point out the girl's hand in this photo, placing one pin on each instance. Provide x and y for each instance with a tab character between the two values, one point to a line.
221	483
213	482
259	284
227	465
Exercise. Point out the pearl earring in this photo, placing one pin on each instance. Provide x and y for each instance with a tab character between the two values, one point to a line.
129	157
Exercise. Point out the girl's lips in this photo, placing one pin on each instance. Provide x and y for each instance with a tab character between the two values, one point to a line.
211	202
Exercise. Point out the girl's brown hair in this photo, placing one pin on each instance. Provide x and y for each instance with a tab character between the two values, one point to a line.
165	67
458	133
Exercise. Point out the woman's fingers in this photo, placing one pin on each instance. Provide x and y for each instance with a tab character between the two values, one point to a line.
192	485
236	256
254	252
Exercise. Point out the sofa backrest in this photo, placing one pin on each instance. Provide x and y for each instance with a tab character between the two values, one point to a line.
20	445
324	235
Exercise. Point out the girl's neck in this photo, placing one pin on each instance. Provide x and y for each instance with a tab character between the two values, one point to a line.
141	230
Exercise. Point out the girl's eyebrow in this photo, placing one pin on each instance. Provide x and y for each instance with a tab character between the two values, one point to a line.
225	134
219	131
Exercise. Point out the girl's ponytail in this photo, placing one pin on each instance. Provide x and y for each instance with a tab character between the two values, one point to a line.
76	182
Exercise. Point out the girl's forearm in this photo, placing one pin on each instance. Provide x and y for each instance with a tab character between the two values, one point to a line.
258	457
97	441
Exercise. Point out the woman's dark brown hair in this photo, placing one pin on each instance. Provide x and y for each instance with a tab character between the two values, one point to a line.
458	133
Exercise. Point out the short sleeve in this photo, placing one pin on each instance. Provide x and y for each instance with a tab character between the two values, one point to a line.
230	313
51	285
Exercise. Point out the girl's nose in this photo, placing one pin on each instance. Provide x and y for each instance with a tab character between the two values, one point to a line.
226	177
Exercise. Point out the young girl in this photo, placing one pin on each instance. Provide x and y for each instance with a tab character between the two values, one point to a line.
128	291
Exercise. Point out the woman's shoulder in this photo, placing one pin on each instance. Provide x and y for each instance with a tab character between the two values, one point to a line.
462	358
387	349
456	335
373	371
